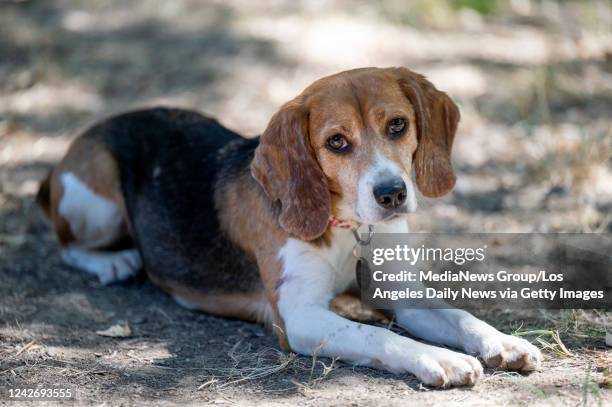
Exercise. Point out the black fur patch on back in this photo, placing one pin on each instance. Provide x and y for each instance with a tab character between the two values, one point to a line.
170	161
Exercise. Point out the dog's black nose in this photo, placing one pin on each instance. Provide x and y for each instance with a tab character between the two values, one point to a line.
391	194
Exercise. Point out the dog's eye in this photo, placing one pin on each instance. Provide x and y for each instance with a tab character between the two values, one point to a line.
338	143
396	127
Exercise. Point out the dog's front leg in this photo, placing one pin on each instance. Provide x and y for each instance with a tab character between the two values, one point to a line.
308	284
314	330
462	330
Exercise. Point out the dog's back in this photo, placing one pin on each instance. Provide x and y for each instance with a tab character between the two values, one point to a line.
156	178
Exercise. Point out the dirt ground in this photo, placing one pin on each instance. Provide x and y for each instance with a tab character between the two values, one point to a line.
534	83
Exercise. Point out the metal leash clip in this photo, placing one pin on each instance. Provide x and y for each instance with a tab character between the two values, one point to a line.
362	268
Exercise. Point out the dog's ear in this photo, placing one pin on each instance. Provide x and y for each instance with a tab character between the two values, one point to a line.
286	167
437	117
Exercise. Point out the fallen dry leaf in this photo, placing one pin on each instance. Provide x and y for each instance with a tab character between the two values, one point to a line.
116	331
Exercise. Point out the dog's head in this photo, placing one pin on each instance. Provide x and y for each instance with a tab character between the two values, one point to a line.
346	146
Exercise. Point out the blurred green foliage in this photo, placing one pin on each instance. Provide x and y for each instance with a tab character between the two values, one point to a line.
436	13
482	6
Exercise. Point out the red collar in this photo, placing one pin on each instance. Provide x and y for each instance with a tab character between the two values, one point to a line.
343	224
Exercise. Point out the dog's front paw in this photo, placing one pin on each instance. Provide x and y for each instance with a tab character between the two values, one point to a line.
510	352
445	368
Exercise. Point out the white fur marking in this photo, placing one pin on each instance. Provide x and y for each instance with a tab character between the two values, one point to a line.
367	208
108	266
94	220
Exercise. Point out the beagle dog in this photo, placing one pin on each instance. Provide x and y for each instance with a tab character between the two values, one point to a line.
260	228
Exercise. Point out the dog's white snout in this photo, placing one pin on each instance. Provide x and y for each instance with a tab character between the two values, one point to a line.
384	190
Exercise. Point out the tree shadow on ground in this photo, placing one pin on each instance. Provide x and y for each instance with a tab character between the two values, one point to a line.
44	301
58	307
141	59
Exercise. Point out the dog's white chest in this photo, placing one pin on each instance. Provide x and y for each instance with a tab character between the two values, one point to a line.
316	274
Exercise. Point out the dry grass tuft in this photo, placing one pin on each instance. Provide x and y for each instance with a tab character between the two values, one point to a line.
248	365
582	324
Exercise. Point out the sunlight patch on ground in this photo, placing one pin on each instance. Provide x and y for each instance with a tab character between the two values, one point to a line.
46	99
25	148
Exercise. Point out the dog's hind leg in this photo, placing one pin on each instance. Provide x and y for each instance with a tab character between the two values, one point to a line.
83	199
108	266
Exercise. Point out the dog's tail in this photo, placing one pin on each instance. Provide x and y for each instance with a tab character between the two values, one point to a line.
43	197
